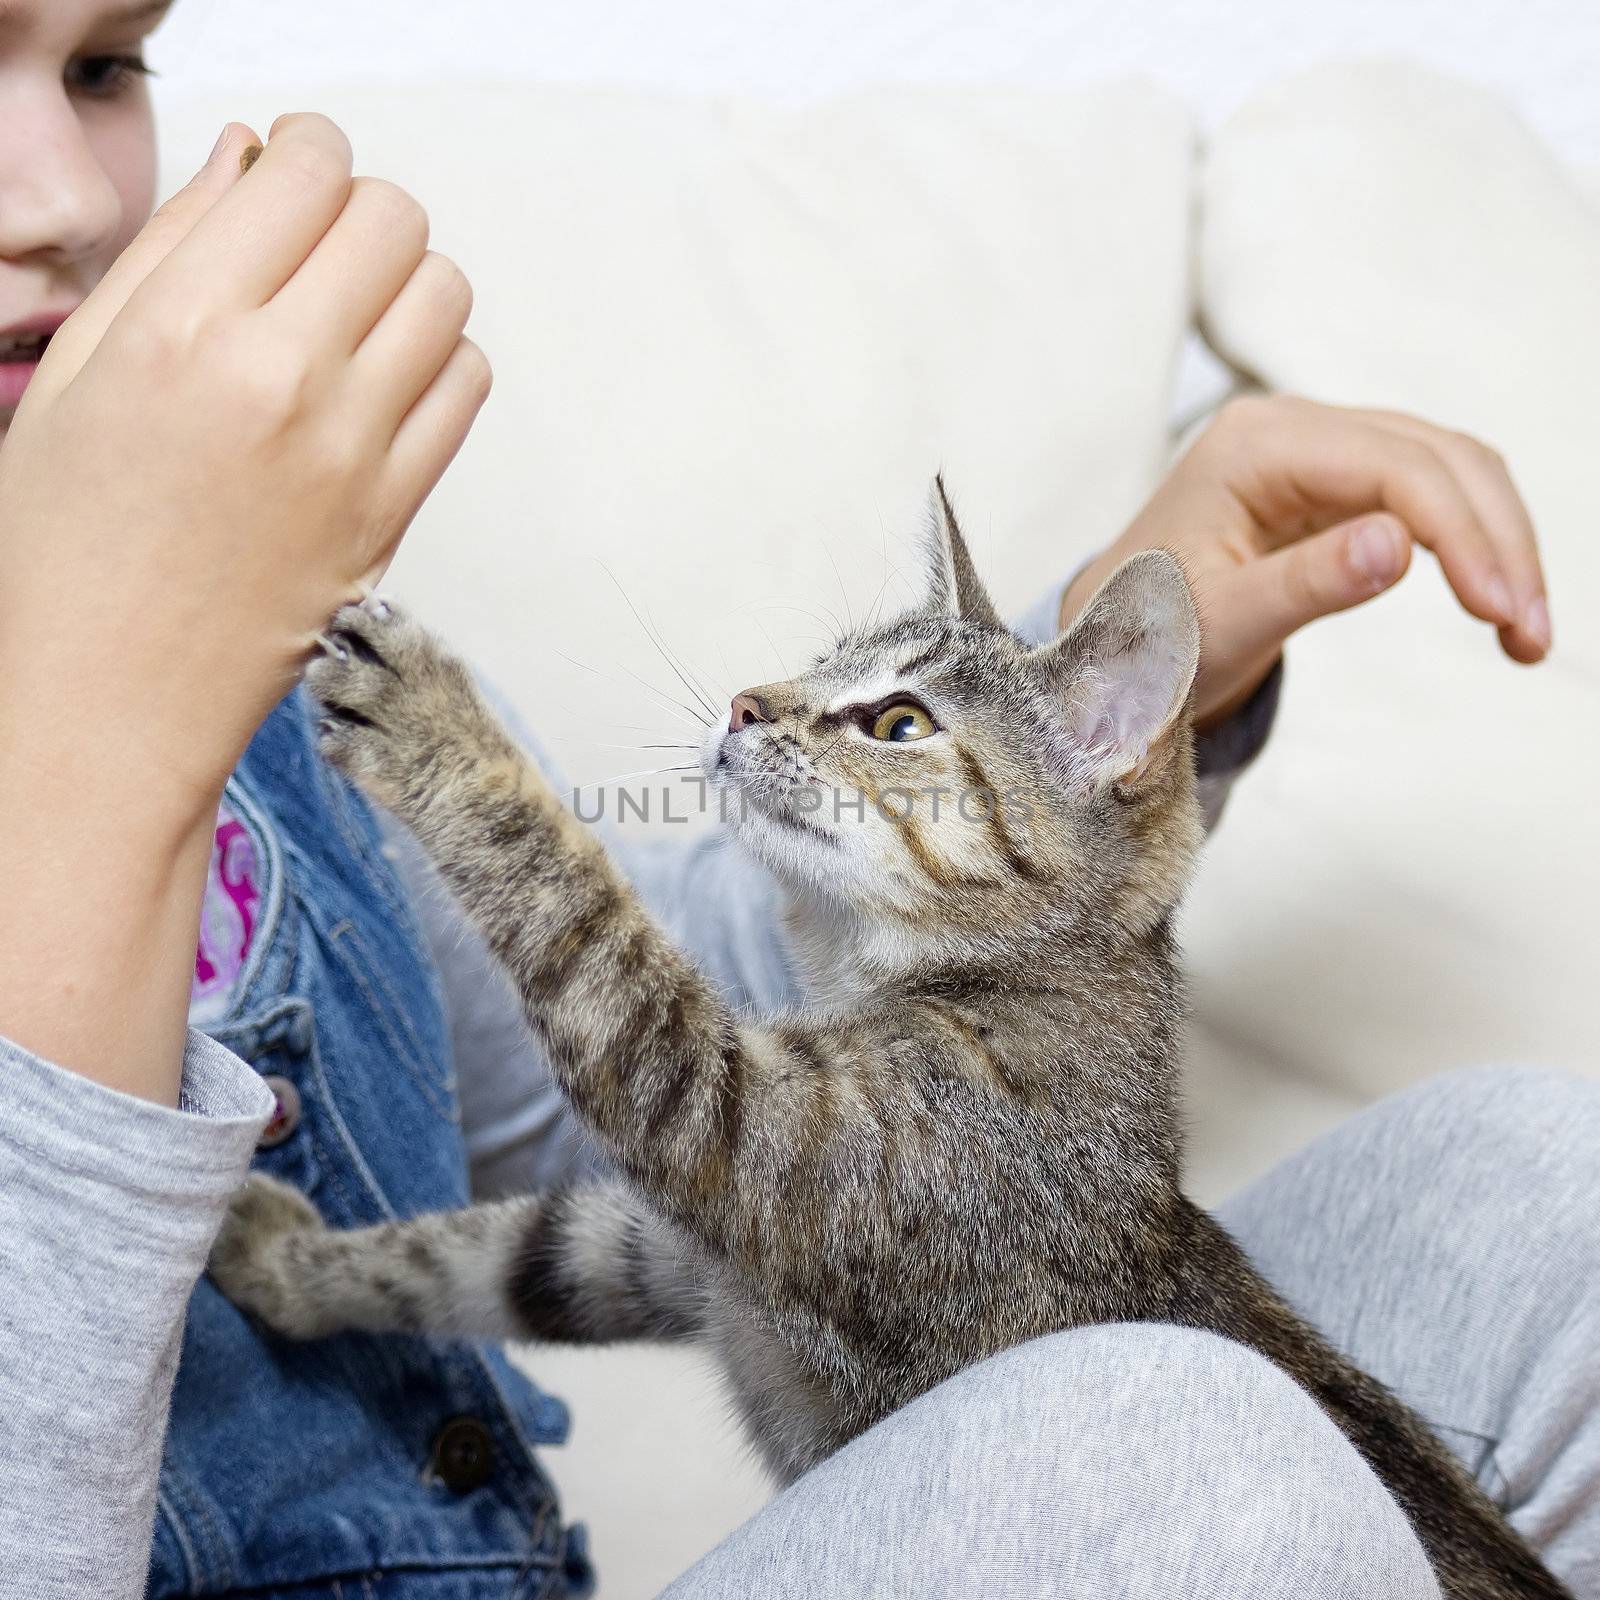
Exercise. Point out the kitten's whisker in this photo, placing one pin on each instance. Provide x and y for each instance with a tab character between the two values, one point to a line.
581	718
706	692
604	744
698	718
772	644
685	675
646	772
695	721
844	594
722	656
661	649
695	691
628	727
833	745
892	571
831	620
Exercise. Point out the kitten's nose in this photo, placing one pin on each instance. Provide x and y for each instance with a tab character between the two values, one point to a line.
747	708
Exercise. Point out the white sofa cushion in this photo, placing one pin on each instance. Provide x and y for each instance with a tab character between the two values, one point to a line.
1410	881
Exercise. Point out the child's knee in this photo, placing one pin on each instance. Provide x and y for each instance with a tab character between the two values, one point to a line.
1506	1112
1189	1464
1155	1379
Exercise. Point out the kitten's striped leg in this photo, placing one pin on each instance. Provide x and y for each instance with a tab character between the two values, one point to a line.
583	1265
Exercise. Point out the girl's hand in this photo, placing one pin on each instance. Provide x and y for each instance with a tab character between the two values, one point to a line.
229	436
1284	511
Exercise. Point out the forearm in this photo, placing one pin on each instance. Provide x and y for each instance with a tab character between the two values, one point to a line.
108	1205
520	1131
101	874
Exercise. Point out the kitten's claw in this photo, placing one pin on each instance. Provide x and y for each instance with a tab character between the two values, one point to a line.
395	705
253	1259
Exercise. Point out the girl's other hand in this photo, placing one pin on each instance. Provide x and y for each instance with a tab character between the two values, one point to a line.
1284	511
227	438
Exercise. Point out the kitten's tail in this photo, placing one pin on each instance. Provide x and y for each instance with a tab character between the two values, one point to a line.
599	1266
1476	1553
589	1264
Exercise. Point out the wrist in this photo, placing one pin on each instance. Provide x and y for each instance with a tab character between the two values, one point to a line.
1071	604
101	778
104	844
99	913
83	739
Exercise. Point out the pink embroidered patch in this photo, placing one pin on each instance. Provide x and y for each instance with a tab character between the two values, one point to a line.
227	917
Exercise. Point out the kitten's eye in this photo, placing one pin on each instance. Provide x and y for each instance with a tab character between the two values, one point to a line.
900	724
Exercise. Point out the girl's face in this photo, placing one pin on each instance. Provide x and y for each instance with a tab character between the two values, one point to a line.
77	162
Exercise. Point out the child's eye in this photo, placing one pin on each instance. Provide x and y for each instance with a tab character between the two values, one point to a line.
105	77
901	723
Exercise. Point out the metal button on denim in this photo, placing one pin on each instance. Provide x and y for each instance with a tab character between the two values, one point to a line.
285	1116
463	1455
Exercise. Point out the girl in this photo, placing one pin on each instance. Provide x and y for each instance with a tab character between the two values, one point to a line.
216	427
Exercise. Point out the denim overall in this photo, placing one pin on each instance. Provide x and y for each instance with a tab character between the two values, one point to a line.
352	1468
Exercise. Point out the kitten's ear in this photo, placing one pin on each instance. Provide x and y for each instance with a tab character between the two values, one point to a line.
953	583
1124	669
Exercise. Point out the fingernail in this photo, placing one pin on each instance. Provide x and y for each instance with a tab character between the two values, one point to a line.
1377	550
222	139
248	157
1536	619
1500	599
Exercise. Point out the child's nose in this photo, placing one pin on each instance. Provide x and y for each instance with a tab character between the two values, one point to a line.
56	199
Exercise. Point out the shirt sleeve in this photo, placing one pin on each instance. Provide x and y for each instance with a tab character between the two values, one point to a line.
108	1207
722	909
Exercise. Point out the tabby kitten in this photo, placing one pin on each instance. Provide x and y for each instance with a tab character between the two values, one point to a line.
971	1138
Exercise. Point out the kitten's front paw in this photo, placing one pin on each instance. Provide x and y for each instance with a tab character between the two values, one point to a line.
255	1262
393	700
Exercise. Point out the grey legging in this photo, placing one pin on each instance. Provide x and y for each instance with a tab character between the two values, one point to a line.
1447	1239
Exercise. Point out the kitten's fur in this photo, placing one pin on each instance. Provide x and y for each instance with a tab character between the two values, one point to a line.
973	1136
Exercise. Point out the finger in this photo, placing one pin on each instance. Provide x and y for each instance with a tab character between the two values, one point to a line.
412	341
429	437
1253	610
252	241
171	223
1487	482
358	266
1324	459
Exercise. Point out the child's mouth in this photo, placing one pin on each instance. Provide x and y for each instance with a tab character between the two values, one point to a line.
19	360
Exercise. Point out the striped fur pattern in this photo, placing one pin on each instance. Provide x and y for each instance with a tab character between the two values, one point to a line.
970	1137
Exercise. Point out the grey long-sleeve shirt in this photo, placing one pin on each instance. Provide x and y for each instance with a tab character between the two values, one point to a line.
109	1204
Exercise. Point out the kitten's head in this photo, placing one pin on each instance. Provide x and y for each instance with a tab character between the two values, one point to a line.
935	779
